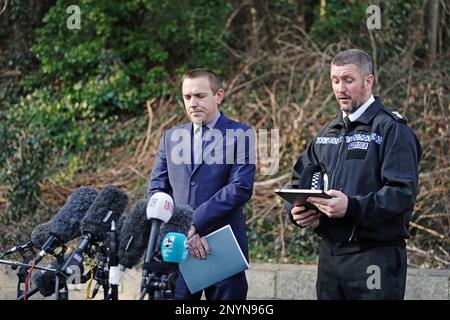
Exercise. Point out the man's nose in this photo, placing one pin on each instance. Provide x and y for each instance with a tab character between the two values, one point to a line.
341	87
193	102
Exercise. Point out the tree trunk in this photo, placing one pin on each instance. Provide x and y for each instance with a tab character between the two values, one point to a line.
432	29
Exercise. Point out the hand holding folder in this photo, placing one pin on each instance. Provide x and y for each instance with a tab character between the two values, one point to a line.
225	260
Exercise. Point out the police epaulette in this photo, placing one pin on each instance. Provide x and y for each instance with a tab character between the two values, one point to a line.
395	114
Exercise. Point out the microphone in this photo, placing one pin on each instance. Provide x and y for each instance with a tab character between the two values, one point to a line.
173	235
118	225
108	206
134	235
173	247
25	245
180	222
114	272
45	281
40	234
65	225
159	209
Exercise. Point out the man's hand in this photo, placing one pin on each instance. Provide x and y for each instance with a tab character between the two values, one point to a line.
336	207
303	217
198	246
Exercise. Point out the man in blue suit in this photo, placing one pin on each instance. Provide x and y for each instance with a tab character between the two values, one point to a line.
208	164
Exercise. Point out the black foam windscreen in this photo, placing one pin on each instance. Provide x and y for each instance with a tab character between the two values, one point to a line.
45	281
40	234
109	205
120	223
66	223
134	235
180	221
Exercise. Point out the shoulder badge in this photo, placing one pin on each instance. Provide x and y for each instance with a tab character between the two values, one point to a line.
396	115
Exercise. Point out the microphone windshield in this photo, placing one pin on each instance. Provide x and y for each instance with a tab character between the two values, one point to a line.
66	223
108	206
45	281
173	247
40	234
160	206
180	222
134	235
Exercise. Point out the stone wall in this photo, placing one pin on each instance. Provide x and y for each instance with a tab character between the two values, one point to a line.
266	281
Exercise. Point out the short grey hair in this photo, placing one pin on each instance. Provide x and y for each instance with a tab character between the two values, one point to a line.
354	56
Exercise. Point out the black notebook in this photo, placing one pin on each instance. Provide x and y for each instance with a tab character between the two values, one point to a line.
299	196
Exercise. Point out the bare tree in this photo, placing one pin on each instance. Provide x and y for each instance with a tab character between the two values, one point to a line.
432	29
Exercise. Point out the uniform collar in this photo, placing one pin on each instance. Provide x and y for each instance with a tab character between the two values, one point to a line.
355	115
365	117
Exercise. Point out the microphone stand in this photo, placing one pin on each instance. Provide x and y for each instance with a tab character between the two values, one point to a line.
60	295
159	280
101	274
59	275
113	262
25	266
22	273
151	282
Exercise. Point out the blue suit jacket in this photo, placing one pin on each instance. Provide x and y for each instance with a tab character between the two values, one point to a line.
216	191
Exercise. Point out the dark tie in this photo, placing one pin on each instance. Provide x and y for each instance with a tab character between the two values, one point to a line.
196	151
204	137
346	123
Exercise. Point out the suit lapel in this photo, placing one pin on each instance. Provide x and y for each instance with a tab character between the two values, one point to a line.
189	166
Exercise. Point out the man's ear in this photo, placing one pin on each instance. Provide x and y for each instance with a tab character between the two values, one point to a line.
220	94
370	79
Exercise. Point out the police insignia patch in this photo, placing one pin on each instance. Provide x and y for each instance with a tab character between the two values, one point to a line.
358	145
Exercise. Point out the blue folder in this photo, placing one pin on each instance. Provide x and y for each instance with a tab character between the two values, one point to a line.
226	259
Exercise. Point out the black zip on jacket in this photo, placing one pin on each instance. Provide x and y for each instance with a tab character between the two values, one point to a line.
375	163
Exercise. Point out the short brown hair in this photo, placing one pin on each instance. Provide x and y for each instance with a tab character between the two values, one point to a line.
354	56
214	80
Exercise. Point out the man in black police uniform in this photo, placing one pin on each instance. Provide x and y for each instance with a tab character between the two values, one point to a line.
371	159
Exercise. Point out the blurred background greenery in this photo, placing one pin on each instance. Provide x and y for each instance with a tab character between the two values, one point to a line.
88	106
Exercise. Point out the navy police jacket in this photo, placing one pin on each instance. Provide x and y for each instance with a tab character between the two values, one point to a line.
375	163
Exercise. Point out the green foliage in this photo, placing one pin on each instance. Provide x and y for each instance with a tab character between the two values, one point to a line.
23	166
401	25
343	20
131	47
69	98
90	79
